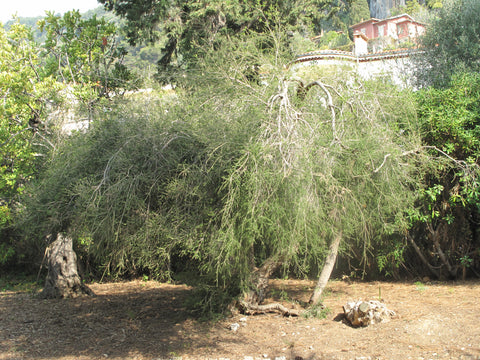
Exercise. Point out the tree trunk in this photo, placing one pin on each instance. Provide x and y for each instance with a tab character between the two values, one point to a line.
451	270
260	280
252	304
326	271
432	269
63	280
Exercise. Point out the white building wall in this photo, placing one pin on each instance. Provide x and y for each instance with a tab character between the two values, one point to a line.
398	70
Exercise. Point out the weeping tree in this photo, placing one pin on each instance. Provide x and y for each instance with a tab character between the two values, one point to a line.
332	164
244	174
141	189
330	168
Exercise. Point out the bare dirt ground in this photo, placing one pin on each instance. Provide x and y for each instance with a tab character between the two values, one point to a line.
147	320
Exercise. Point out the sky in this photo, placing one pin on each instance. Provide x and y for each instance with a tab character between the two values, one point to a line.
31	8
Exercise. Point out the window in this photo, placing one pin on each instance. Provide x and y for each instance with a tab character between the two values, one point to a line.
381	30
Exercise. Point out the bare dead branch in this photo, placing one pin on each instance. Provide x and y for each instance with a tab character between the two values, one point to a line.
252	309
383	163
330	104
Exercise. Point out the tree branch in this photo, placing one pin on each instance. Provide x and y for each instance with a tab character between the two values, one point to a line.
329	104
432	269
383	163
252	309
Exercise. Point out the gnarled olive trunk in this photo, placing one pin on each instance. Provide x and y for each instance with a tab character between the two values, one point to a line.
63	280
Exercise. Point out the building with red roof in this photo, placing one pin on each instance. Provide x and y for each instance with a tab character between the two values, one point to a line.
392	32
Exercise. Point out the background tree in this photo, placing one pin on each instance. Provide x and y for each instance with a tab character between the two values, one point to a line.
192	23
434	4
349	13
85	52
24	135
448	113
445	235
451	43
359	11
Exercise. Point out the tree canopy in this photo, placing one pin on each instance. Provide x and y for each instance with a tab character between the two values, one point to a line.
190	24
84	52
240	178
24	136
451	43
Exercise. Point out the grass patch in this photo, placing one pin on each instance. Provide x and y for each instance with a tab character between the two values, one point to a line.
420	286
319	312
19	283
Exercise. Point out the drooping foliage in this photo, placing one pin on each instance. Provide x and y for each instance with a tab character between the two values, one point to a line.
143	184
317	171
237	172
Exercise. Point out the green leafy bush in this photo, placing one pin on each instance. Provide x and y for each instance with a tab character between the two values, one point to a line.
449	204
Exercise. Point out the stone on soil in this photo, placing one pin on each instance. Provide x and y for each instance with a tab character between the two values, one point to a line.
364	313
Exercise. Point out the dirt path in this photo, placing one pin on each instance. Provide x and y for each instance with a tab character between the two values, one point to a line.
146	320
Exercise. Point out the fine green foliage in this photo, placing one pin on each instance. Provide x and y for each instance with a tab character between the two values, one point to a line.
142	186
246	167
451	43
311	175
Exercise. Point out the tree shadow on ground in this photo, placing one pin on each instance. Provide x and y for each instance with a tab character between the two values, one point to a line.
151	322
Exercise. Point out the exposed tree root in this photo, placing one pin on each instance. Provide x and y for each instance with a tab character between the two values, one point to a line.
253	309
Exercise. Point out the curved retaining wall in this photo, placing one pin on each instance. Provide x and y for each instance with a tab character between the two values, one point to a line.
396	65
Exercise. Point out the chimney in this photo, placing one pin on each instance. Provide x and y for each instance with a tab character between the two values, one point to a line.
360	41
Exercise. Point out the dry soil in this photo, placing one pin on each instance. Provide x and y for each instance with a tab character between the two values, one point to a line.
147	320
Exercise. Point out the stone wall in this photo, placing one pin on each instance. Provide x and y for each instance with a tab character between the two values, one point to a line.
396	66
